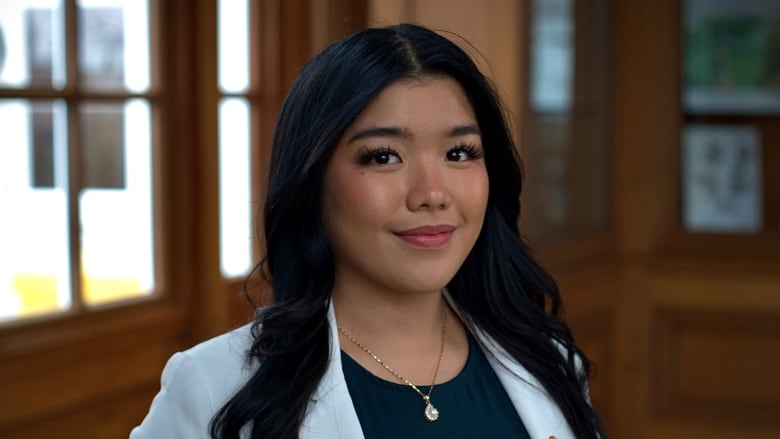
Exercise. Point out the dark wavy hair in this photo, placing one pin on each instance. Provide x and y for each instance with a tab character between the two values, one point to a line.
500	288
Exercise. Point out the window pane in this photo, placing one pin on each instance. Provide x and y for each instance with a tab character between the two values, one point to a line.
233	46
234	187
567	124
32	48
114	44
552	55
116	204
103	150
34	264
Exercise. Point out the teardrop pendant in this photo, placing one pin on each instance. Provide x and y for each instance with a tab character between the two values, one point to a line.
431	413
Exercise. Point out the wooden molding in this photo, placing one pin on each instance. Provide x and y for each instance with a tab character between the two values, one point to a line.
715	366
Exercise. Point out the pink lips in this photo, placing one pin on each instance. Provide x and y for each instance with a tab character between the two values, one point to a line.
430	237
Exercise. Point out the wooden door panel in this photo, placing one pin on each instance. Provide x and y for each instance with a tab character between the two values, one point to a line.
717	366
112	416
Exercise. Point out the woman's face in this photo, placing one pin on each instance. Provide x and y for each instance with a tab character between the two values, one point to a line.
406	189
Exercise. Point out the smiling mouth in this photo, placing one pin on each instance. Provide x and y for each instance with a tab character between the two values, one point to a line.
427	237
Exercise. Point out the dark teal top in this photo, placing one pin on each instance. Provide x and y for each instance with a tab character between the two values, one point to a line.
474	404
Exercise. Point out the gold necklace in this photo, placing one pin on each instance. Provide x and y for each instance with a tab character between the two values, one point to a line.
431	413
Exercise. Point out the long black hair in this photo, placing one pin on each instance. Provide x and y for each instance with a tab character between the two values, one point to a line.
500	288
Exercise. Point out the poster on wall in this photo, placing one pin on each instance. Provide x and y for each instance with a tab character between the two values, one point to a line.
732	56
721	179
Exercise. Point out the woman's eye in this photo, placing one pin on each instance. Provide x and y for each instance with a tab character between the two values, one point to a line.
380	156
457	155
464	153
385	158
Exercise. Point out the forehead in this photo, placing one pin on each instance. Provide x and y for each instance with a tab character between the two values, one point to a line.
418	105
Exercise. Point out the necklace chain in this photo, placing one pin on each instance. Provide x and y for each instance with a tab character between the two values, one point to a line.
430	411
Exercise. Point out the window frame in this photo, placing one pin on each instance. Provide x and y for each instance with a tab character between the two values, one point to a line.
74	97
109	357
173	197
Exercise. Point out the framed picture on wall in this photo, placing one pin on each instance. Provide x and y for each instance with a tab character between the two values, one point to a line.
731	56
721	179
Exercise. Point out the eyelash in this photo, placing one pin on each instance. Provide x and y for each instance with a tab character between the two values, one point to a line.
368	155
473	151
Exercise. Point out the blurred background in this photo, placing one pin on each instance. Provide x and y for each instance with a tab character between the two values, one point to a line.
134	142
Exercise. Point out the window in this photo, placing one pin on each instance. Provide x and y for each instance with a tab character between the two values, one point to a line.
77	98
235	137
566	142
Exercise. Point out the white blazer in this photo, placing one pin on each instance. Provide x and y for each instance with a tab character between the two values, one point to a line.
196	383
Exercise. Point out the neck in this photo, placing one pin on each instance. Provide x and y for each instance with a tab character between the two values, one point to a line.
404	330
388	316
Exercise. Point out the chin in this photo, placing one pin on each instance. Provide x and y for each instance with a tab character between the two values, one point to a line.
428	284
435	275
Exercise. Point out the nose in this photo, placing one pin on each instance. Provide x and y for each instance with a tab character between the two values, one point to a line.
427	188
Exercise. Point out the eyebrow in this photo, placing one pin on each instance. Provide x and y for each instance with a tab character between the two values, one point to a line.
403	133
463	130
381	132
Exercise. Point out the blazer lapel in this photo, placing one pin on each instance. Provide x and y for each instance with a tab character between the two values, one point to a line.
539	413
331	412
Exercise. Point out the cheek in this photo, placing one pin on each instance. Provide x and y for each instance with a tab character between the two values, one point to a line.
473	191
358	198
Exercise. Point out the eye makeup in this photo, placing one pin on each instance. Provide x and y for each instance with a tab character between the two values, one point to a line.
382	155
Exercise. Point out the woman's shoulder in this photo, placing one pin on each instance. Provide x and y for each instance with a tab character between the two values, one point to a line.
227	349
195	384
222	362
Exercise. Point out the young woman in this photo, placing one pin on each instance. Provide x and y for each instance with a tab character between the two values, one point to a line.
405	303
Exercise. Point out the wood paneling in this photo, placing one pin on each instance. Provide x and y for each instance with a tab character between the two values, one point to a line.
113	417
696	333
69	370
589	290
716	366
593	337
488	31
70	383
